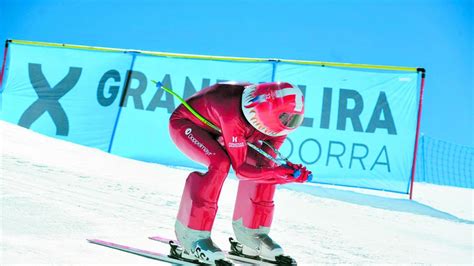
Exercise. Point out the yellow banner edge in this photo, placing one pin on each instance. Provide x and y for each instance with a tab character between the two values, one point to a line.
217	58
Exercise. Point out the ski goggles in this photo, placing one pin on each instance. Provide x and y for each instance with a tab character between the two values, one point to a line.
291	120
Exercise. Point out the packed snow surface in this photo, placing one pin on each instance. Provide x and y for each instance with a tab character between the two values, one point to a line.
55	195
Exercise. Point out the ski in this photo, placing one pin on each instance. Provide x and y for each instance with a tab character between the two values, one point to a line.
236	254
175	256
144	253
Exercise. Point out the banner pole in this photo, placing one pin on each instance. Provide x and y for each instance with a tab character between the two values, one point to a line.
420	106
274	67
122	99
2	71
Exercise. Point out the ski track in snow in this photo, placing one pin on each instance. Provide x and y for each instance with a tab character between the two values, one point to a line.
55	195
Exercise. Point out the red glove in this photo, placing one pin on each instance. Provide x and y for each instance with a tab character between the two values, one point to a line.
283	174
304	173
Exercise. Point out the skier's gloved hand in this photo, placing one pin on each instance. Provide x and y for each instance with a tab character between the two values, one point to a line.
296	168
301	174
285	174
291	174
304	175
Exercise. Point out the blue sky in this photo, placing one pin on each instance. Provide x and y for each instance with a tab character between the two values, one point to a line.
434	34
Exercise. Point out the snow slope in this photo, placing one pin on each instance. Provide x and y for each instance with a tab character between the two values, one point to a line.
55	195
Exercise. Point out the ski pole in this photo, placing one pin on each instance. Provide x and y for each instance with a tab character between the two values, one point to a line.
296	173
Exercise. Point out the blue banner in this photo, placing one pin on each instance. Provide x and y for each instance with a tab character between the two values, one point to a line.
61	92
359	128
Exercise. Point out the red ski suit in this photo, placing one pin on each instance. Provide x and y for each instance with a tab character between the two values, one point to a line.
221	105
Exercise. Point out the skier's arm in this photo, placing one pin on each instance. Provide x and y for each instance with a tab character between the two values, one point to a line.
276	142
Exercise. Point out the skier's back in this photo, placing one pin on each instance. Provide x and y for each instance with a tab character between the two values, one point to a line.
245	113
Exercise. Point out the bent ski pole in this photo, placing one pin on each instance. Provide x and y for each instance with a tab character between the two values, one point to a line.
296	174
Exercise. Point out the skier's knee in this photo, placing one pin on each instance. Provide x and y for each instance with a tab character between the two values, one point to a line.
221	167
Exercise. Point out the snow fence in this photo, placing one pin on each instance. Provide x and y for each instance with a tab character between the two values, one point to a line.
360	126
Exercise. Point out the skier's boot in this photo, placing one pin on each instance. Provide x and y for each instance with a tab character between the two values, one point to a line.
257	243
198	244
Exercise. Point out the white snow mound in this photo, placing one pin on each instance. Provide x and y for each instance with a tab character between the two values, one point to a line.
55	195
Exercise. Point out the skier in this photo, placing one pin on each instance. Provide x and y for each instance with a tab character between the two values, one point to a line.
245	113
